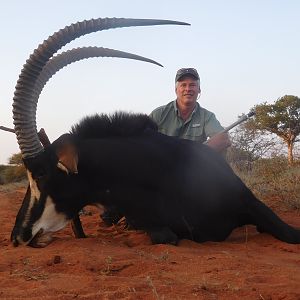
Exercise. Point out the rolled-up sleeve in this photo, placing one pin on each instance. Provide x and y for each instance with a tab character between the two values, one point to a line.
212	125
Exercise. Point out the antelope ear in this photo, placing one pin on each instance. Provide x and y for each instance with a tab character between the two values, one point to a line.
67	158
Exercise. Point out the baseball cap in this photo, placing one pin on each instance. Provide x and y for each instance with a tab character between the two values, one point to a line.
186	71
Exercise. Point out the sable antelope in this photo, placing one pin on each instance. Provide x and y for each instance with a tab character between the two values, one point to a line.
170	188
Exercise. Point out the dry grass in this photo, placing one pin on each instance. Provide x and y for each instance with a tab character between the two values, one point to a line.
274	180
9	187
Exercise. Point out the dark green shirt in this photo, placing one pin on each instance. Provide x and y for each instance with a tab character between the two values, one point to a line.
198	127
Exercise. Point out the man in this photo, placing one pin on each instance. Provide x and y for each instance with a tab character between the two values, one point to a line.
185	118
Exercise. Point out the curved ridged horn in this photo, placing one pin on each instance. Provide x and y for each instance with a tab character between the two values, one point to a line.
24	103
68	57
63	59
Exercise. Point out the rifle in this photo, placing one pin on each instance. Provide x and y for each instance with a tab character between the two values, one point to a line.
242	119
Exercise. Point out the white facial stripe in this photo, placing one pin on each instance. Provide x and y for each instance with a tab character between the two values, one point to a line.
50	220
34	195
33	186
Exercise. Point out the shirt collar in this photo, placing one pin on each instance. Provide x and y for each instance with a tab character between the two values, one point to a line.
178	112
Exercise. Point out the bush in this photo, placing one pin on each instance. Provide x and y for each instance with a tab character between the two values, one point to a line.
274	182
10	174
2	168
15	171
15	174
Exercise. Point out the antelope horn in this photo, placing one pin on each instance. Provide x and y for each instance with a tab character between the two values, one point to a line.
25	102
68	57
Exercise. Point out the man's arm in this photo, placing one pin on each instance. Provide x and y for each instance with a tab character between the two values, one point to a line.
219	141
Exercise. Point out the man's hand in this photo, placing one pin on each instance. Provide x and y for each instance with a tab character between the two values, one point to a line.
219	142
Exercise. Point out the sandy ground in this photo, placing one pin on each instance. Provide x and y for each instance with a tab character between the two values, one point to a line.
113	263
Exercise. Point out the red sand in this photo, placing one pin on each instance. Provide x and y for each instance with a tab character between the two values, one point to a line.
113	263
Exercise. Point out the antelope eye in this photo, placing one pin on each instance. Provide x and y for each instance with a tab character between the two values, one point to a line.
39	174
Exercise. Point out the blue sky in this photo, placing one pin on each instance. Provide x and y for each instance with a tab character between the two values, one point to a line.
246	52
